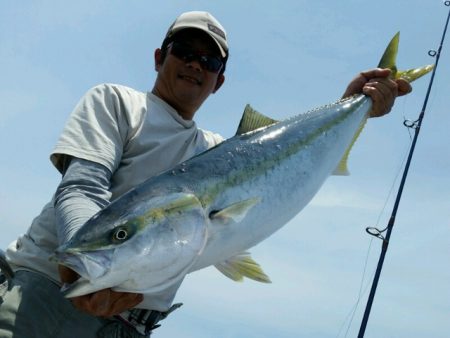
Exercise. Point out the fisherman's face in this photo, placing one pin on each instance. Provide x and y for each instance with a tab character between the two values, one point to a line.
185	83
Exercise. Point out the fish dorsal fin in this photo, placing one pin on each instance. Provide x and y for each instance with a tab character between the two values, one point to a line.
341	169
252	120
236	211
240	266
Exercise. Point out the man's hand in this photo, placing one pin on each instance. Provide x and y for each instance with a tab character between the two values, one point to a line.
103	303
383	90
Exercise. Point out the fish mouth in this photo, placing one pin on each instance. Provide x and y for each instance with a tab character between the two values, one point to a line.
80	287
89	265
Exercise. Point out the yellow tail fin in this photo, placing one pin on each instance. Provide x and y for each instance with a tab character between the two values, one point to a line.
388	60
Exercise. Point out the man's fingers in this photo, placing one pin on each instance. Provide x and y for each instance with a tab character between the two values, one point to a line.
83	303
107	303
124	302
100	302
383	90
404	87
358	83
95	304
376	72
383	93
380	106
387	89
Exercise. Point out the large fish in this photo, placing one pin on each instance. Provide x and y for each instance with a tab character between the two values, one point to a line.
210	209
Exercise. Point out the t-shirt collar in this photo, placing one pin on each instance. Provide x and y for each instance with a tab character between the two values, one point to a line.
169	109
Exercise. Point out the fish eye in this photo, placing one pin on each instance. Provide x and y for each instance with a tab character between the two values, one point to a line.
120	234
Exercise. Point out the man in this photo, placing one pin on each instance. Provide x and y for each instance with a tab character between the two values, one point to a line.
115	139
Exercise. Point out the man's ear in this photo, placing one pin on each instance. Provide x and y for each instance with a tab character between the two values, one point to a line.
158	58
219	83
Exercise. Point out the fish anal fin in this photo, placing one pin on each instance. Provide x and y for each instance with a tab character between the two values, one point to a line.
236	211
240	266
252	120
342	169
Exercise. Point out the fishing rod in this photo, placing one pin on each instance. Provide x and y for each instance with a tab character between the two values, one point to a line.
379	233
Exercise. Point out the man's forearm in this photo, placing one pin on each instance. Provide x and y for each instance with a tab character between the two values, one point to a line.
83	191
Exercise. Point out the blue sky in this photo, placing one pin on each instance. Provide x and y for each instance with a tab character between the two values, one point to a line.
286	57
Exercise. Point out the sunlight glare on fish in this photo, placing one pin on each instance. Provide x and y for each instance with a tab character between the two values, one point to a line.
270	135
181	242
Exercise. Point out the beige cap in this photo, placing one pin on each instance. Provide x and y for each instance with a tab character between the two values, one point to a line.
205	22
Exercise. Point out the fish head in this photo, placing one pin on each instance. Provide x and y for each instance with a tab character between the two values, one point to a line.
138	249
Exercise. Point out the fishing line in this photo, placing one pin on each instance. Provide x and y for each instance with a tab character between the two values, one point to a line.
363	288
352	312
350	316
416	125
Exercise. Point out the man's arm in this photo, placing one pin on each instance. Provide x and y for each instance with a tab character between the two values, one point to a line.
83	191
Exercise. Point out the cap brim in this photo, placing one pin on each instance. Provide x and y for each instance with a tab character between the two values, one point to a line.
180	28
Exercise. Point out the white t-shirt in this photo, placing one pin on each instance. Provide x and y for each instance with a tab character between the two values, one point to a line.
135	135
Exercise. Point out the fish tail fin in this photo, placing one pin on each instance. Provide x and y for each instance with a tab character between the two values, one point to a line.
389	60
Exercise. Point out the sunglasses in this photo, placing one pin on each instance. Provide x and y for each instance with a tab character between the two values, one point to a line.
186	53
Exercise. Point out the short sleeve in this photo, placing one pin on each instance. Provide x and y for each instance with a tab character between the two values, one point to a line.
96	130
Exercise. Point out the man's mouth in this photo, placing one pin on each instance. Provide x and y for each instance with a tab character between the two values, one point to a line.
190	79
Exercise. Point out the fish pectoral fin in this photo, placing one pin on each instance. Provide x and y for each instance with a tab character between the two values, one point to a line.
252	120
342	169
236	211
240	266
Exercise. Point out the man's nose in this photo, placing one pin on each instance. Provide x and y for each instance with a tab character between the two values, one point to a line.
195	64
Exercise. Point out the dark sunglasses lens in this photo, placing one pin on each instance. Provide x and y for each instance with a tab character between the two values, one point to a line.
210	63
179	50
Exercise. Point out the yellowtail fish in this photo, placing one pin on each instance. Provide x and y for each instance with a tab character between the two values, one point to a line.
212	208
